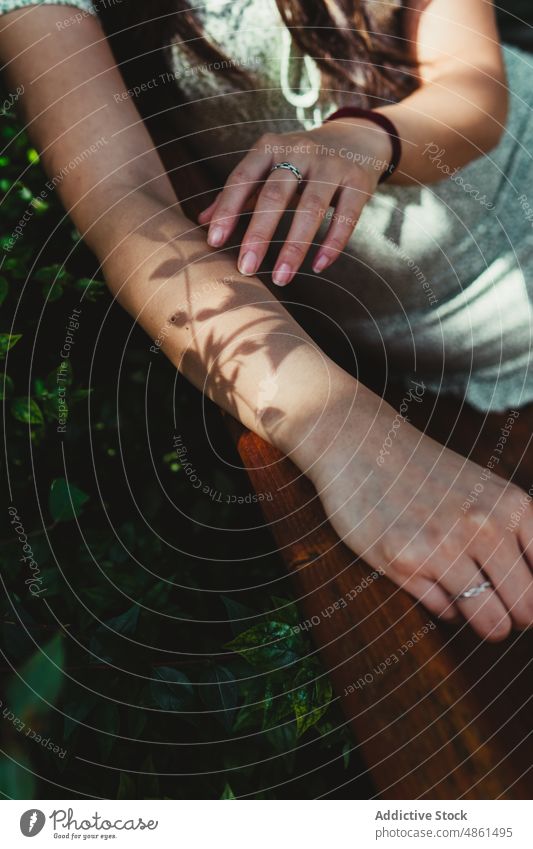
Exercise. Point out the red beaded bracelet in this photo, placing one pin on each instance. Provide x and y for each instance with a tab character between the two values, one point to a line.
383	122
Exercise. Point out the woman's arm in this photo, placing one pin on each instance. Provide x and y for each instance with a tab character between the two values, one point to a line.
237	342
226	333
461	104
459	111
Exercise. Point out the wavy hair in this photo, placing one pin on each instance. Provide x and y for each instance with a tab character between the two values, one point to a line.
357	44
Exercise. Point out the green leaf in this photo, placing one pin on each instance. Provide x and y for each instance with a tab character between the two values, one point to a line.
157	596
104	645
270	645
346	754
76	713
149	780
53	291
4	289
65	501
53	411
239	615
283	739
277	706
27	410
80	395
311	703
171	690
285	611
8	341
220	693
90	288
6	386
8	132
136	719
127	788
228	793
16	781
52	273
126	623
42	677
62	375
249	718
40	205
39	387
106	719
99	654
15	267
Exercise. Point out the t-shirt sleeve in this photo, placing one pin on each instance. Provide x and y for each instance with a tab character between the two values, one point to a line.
86	6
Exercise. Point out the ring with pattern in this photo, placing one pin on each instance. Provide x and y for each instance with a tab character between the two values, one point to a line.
475	591
288	166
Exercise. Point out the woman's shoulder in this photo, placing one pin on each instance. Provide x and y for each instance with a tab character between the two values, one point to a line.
10	5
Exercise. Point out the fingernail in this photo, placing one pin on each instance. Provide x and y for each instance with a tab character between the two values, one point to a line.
248	263
215	237
282	275
320	263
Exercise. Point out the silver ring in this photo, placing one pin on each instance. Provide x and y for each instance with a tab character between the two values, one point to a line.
288	166
475	591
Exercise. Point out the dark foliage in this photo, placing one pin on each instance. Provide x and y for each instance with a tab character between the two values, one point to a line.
148	647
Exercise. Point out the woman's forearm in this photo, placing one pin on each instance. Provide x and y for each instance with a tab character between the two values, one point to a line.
225	332
460	117
460	108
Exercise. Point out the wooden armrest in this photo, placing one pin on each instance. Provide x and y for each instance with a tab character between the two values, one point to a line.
438	714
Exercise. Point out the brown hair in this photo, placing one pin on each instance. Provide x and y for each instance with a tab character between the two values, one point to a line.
358	44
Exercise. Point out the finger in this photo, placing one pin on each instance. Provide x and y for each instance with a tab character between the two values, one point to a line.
434	598
311	210
240	185
343	222
525	536
206	214
271	204
486	612
513	581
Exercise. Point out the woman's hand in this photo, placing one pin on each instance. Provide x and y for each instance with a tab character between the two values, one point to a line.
341	163
407	516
